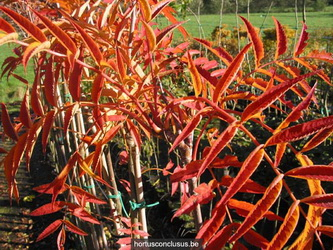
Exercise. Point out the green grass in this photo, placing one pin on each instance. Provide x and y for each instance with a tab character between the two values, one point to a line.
11	89
314	20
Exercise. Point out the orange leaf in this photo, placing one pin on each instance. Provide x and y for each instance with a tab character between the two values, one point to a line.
219	144
50	85
196	79
301	44
321	55
8	127
97	88
71	227
32	50
36	103
249	166
255	40
229	74
189	128
249	186
212	225
256	239
221	237
74	83
280	150
134	132
25	24
320	200
60	34
6	27
158	7
69	113
270	95
219	52
88	40
315	172
163	33
287	228
25	111
281	37
31	140
84	215
45	189
297	112
145	9
328	230
317	139
300	131
120	65
80	194
50	208
260	208
50	229
47	125
243	208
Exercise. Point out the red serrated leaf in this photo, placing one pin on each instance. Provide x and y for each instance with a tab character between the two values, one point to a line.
50	229
228	160
297	112
49	208
25	117
230	74
189	128
71	227
60	34
317	139
212	225
281	38
6	27
79	193
32	50
36	103
270	95
84	215
260	208
256	239
50	85
300	131
31	140
243	208
45	189
256	41
25	24
74	83
189	171
286	229
158	7
8	127
328	230
163	33
321	55
47	125
249	166
315	172
221	237
61	239
248	187
145	10
219	52
88	40
69	113
196	79
320	200
97	88
219	144
301	44
203	195
279	153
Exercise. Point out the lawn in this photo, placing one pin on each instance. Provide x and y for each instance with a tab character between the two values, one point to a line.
207	23
12	90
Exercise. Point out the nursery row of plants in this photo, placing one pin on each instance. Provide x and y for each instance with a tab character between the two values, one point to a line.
155	139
